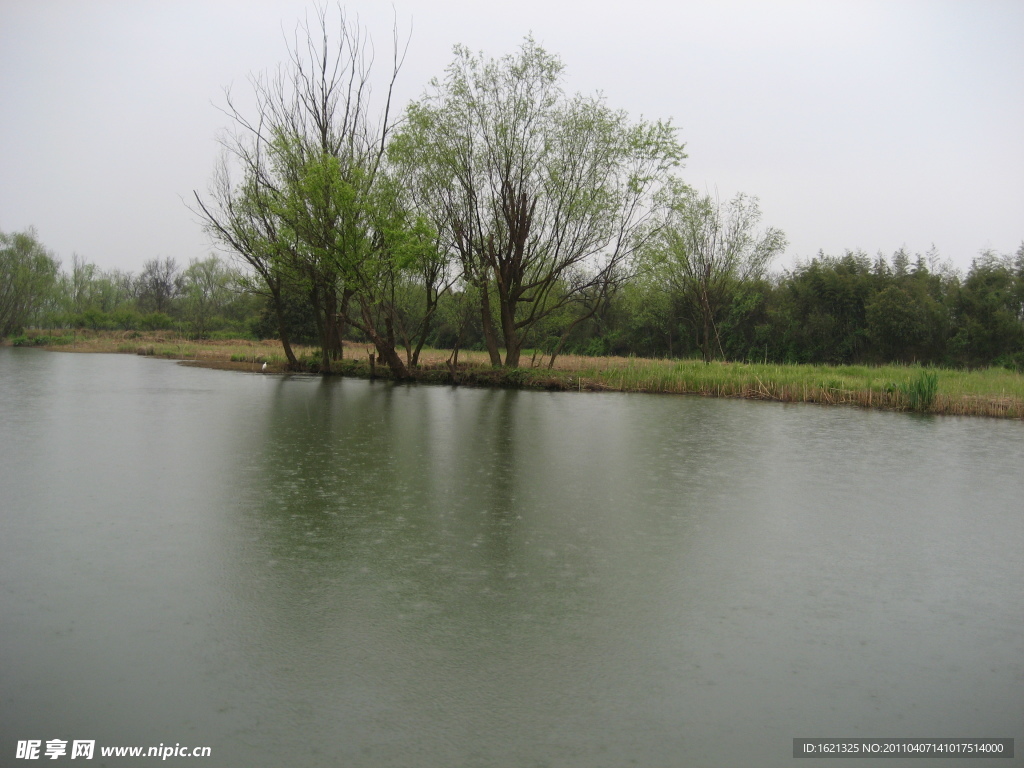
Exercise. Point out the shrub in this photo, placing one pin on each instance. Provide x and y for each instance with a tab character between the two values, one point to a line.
155	321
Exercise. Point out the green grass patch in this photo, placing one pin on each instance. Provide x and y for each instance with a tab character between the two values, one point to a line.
42	341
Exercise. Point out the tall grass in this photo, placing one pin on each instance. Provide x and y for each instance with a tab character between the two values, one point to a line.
992	392
921	390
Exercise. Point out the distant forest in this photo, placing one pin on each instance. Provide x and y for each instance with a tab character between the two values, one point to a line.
500	213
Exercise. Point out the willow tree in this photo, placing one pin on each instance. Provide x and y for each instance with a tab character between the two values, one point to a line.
704	250
542	196
28	276
309	155
353	223
242	220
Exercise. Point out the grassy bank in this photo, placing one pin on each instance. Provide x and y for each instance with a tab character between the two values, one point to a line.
992	392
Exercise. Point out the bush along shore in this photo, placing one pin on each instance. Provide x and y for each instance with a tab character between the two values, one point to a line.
993	392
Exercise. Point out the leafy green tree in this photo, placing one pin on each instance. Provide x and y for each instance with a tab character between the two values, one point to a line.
705	251
82	286
419	272
88	297
241	219
987	314
304	212
820	313
458	322
353	234
898	323
322	226
644	320
28	276
207	288
746	330
288	317
1018	272
541	196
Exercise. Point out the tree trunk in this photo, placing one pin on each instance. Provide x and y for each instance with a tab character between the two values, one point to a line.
386	351
342	315
708	320
332	325
426	325
513	340
490	337
569	330
282	333
416	352
513	349
321	325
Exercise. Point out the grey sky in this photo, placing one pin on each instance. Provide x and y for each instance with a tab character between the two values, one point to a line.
869	125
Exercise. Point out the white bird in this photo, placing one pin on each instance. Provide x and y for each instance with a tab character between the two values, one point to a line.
264	368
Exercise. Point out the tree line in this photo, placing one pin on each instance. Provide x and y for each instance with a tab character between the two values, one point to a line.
499	212
832	309
208	296
841	309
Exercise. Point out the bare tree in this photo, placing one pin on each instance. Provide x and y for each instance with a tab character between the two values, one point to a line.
158	285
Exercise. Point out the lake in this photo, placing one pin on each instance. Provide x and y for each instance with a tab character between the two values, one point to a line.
335	572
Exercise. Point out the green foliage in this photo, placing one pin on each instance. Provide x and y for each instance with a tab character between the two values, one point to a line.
706	252
897	323
745	329
541	196
155	321
28	277
297	317
158	286
42	340
988	312
839	310
822	307
207	290
210	298
314	213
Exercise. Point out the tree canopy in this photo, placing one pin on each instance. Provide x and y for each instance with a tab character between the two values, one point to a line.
542	197
704	251
28	274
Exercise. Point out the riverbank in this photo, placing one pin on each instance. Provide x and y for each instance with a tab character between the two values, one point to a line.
991	392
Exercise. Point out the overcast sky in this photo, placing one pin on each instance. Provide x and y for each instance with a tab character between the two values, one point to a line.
859	125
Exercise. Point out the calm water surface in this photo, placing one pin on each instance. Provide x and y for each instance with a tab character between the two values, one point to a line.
300	572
